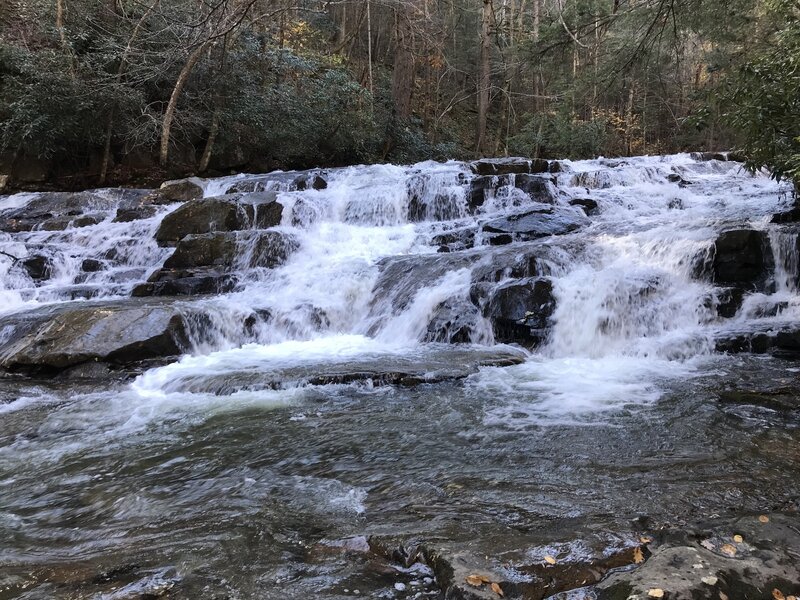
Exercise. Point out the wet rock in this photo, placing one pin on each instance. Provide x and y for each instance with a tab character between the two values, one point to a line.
453	241
781	341
539	188
232	212
229	249
520	311
742	258
729	301
313	181
431	365
54	211
126	215
782	399
506	166
186	282
588	205
37	267
706	156
119	333
706	562
523	572
181	190
675	204
90	265
535	224
456	322
789	216
480	186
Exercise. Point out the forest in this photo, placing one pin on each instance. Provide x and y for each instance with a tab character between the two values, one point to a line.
94	92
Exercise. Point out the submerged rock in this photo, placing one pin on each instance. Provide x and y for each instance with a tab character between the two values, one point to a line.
121	333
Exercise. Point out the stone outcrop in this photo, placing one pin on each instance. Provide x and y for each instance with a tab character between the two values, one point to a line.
55	211
533	224
232	212
505	166
520	311
119	333
742	258
207	263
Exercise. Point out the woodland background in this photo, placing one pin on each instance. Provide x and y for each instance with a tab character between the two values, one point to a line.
97	92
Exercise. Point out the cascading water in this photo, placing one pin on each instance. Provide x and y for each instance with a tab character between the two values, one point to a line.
394	277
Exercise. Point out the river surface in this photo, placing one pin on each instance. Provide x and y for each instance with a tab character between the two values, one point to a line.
205	479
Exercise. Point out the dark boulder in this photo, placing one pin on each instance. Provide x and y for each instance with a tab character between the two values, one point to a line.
37	267
53	338
539	188
520	311
311	180
456	322
506	166
229	249
742	258
90	265
788	216
180	190
206	263
588	205
453	241
232	212
480	186
186	282
534	224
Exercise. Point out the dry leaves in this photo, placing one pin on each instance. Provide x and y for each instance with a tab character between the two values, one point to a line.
638	556
645	539
723	596
477	580
710	580
763	519
655	593
708	545
738	539
728	550
778	595
549	560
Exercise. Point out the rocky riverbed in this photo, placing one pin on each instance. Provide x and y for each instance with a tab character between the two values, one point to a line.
512	377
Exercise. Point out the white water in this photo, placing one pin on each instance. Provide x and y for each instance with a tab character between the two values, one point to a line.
629	315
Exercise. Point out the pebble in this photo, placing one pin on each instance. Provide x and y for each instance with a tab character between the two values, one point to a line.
400	587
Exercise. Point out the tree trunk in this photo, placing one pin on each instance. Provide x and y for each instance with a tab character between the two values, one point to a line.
369	48
212	137
169	114
484	80
403	74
